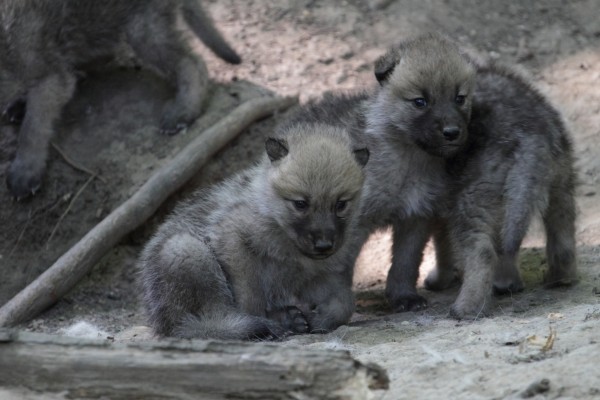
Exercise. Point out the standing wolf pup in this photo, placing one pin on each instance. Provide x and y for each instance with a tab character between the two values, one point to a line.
268	252
494	145
44	43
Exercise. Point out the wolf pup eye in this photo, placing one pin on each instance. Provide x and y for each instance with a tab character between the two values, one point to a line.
300	205
420	102
341	205
460	99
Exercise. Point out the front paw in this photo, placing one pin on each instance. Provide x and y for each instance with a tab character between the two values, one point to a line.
291	318
507	279
22	180
173	121
407	302
503	286
267	331
469	311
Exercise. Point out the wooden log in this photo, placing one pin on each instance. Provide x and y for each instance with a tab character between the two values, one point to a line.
57	280
85	368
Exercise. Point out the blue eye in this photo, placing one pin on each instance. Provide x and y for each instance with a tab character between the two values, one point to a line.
420	102
460	100
300	205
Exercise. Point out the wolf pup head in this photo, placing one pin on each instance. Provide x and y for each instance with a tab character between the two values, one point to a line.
316	178
426	93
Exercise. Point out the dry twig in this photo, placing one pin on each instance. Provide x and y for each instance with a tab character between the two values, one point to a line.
75	165
73	200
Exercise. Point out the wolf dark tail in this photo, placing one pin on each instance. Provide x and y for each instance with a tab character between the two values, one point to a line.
203	27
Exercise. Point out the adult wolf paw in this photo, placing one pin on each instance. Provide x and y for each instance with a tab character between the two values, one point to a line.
173	121
23	181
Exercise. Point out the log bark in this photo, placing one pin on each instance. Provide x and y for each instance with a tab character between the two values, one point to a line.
57	280
84	368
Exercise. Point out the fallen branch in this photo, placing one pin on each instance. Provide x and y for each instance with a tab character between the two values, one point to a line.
85	368
79	260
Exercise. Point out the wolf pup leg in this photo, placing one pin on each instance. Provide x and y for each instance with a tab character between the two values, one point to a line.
409	240
443	275
559	221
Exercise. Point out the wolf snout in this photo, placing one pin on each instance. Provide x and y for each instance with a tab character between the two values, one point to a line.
451	133
323	245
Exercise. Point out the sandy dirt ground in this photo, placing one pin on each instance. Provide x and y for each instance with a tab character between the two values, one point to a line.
306	48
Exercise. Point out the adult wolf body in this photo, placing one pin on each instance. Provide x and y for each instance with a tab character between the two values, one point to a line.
268	252
491	151
45	44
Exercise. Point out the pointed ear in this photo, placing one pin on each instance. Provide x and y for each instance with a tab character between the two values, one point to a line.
276	149
362	156
384	66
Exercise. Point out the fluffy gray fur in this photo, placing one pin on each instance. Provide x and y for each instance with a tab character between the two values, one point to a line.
467	152
266	253
45	44
470	167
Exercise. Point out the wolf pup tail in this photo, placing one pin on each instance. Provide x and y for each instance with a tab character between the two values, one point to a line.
203	27
228	325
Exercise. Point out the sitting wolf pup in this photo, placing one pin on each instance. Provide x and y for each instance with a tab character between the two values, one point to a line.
44	44
499	152
266	253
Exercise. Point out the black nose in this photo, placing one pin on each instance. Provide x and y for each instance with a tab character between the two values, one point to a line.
323	245
451	133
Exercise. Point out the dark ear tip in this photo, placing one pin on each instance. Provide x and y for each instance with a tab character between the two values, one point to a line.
384	67
381	76
276	148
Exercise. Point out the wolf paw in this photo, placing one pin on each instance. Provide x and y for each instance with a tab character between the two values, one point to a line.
172	130
508	287
291	318
472	312
437	281
296	321
23	182
507	278
408	302
173	120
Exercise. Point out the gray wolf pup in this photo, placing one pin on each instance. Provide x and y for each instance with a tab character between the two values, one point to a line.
467	152
267	252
